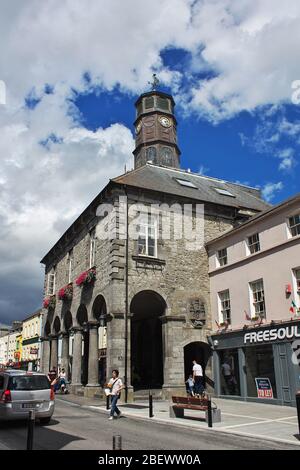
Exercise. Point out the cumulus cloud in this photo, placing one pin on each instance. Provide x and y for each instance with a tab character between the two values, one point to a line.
270	189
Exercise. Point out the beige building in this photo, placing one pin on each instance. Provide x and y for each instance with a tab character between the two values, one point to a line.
31	349
254	275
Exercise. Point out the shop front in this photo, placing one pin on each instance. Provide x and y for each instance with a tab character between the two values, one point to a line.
259	363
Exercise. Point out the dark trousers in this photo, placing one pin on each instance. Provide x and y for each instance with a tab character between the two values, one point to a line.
198	387
113	405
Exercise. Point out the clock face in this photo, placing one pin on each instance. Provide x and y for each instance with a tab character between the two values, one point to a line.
165	121
138	127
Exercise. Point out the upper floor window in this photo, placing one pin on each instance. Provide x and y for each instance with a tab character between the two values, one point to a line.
222	257
70	265
93	246
253	243
51	283
258	298
147	236
225	309
294	223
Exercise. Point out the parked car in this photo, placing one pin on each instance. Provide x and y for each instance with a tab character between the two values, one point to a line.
21	391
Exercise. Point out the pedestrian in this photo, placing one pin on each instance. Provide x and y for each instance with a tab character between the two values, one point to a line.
115	384
52	374
198	378
228	377
190	385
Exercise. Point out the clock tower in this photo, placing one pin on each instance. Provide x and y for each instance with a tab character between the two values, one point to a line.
155	128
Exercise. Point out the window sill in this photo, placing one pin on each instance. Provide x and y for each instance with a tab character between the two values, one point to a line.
148	260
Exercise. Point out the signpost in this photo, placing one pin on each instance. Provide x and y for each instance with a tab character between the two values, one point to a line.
264	388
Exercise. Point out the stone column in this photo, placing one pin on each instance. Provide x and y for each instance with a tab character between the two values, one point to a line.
65	353
54	352
45	358
77	357
93	365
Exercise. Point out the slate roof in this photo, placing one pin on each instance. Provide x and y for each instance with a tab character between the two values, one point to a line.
163	179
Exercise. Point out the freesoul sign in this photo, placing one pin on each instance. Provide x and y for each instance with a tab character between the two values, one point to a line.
287	332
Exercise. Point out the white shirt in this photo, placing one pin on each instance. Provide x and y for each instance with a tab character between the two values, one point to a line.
226	369
117	384
198	370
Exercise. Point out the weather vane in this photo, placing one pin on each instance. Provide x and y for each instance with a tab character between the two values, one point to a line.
154	82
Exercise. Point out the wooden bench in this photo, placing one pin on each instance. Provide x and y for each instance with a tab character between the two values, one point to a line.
192	403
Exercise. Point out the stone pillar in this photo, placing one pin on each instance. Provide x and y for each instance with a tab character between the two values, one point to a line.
54	352
45	358
65	353
173	355
93	366
77	357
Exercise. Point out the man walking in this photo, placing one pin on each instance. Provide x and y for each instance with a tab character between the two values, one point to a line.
115	384
198	378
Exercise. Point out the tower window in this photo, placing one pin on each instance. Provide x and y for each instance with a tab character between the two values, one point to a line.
162	103
151	154
149	102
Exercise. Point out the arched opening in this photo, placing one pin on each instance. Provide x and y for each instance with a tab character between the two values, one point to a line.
56	325
47	329
99	312
146	340
199	351
82	319
68	321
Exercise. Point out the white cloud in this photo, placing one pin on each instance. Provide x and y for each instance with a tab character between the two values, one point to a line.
270	189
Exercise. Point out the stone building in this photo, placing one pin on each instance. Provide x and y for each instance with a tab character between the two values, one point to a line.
147	288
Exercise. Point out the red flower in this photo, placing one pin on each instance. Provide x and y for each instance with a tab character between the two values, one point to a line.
86	277
46	303
80	280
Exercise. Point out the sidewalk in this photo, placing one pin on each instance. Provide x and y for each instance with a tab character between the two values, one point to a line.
256	420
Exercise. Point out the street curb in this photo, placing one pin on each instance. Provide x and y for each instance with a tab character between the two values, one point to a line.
190	426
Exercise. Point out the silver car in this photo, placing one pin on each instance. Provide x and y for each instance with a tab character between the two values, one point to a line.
21	391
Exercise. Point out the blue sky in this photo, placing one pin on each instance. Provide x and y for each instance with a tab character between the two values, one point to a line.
72	76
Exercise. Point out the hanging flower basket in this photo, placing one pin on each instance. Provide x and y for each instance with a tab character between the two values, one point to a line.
87	277
66	293
49	302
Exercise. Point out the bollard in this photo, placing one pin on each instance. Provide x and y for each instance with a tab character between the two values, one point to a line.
150	405
117	442
298	409
107	402
30	429
209	414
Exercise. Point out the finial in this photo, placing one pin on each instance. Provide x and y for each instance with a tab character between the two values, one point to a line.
154	82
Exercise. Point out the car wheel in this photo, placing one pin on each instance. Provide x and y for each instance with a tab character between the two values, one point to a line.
44	421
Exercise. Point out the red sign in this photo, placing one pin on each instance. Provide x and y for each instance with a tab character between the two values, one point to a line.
34	350
264	388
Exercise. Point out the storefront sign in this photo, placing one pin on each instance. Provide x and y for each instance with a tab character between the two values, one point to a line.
34	350
264	388
288	332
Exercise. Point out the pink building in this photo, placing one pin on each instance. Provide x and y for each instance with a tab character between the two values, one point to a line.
254	274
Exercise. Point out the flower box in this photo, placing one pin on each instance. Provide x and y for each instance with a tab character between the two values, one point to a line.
66	293
50	302
87	277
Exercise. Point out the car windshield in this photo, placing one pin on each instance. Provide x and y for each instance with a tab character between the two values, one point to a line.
28	382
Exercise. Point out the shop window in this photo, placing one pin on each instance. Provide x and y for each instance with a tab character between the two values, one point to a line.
229	372
259	363
258	299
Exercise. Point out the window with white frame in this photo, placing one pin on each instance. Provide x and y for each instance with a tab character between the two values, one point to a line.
294	224
70	265
222	257
224	303
147	236
253	243
297	279
51	283
93	246
258	298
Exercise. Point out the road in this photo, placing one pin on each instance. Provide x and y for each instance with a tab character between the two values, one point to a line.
74	427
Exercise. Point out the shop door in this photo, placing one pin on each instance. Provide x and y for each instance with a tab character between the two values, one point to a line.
284	370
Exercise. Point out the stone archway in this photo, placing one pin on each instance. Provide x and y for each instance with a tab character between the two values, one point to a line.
56	325
82	320
99	314
199	351
147	340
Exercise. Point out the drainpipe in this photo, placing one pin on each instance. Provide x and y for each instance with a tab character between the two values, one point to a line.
126	301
